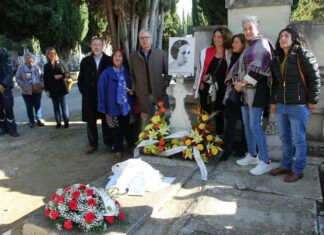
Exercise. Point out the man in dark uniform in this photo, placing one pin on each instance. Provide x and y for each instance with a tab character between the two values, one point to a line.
7	118
90	68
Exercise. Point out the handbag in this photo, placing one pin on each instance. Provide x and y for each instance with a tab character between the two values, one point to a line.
69	83
37	88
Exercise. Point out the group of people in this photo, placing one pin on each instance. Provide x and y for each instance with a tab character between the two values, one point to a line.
238	77
241	76
122	93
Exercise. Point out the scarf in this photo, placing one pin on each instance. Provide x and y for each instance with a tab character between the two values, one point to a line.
31	69
122	98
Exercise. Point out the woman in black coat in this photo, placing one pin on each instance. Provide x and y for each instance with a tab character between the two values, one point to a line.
55	75
233	111
295	91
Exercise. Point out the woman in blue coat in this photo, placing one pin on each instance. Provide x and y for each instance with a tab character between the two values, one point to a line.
114	100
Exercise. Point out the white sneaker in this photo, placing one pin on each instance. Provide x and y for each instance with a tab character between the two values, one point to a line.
261	168
248	160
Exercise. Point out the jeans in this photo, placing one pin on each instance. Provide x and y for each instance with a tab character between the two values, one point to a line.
254	133
33	102
292	120
57	103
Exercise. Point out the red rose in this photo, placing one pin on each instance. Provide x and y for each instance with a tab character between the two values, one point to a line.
162	142
157	113
53	196
89	192
47	212
68	224
54	214
89	217
67	190
121	215
117	202
60	199
73	205
163	110
156	126
110	219
91	202
82	187
160	104
76	195
160	148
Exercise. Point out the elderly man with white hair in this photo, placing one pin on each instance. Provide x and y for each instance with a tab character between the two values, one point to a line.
29	78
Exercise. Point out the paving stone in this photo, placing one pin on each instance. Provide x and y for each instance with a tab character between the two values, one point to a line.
137	209
236	176
231	211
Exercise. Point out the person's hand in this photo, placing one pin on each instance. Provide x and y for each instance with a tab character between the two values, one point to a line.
58	76
273	109
47	93
1	88
238	86
311	106
130	92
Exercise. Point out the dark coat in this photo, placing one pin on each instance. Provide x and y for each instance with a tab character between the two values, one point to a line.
289	87
56	87
158	74
88	85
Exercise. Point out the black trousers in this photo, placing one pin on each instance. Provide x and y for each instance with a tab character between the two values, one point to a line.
232	115
92	132
7	117
210	107
124	129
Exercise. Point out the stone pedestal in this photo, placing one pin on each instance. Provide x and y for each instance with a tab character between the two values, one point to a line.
179	120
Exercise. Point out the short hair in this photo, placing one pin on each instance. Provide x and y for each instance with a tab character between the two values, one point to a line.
125	61
28	54
56	58
176	46
146	31
96	38
226	34
295	37
253	19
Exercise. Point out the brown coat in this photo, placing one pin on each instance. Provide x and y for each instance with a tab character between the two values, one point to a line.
158	73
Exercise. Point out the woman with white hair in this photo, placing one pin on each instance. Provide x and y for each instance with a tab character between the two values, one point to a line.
253	70
29	78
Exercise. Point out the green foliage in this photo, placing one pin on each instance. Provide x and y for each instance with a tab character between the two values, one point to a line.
198	18
172	27
189	24
308	10
214	11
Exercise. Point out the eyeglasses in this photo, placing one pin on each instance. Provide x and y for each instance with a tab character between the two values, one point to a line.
146	37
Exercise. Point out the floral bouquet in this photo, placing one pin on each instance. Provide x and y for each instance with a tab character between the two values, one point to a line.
201	137
84	207
158	126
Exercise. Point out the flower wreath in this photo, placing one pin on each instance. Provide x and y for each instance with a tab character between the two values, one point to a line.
156	133
84	207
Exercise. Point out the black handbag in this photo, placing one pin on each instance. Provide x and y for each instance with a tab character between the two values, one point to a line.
234	96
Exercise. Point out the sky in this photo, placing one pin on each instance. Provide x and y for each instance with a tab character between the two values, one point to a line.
186	5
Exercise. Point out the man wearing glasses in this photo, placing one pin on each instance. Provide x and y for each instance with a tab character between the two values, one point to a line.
148	71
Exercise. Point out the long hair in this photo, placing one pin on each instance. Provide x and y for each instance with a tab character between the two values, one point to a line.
56	58
296	40
226	34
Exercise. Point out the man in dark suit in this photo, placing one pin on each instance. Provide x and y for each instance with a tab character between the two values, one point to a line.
90	68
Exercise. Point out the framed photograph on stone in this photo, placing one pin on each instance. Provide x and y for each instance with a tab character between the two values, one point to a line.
181	56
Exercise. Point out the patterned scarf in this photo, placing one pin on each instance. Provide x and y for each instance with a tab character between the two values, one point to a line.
121	98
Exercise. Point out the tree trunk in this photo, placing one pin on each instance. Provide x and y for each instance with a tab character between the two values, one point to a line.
112	24
160	31
145	19
152	23
123	32
134	28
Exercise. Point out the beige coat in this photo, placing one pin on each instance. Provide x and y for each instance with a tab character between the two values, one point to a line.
158	70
